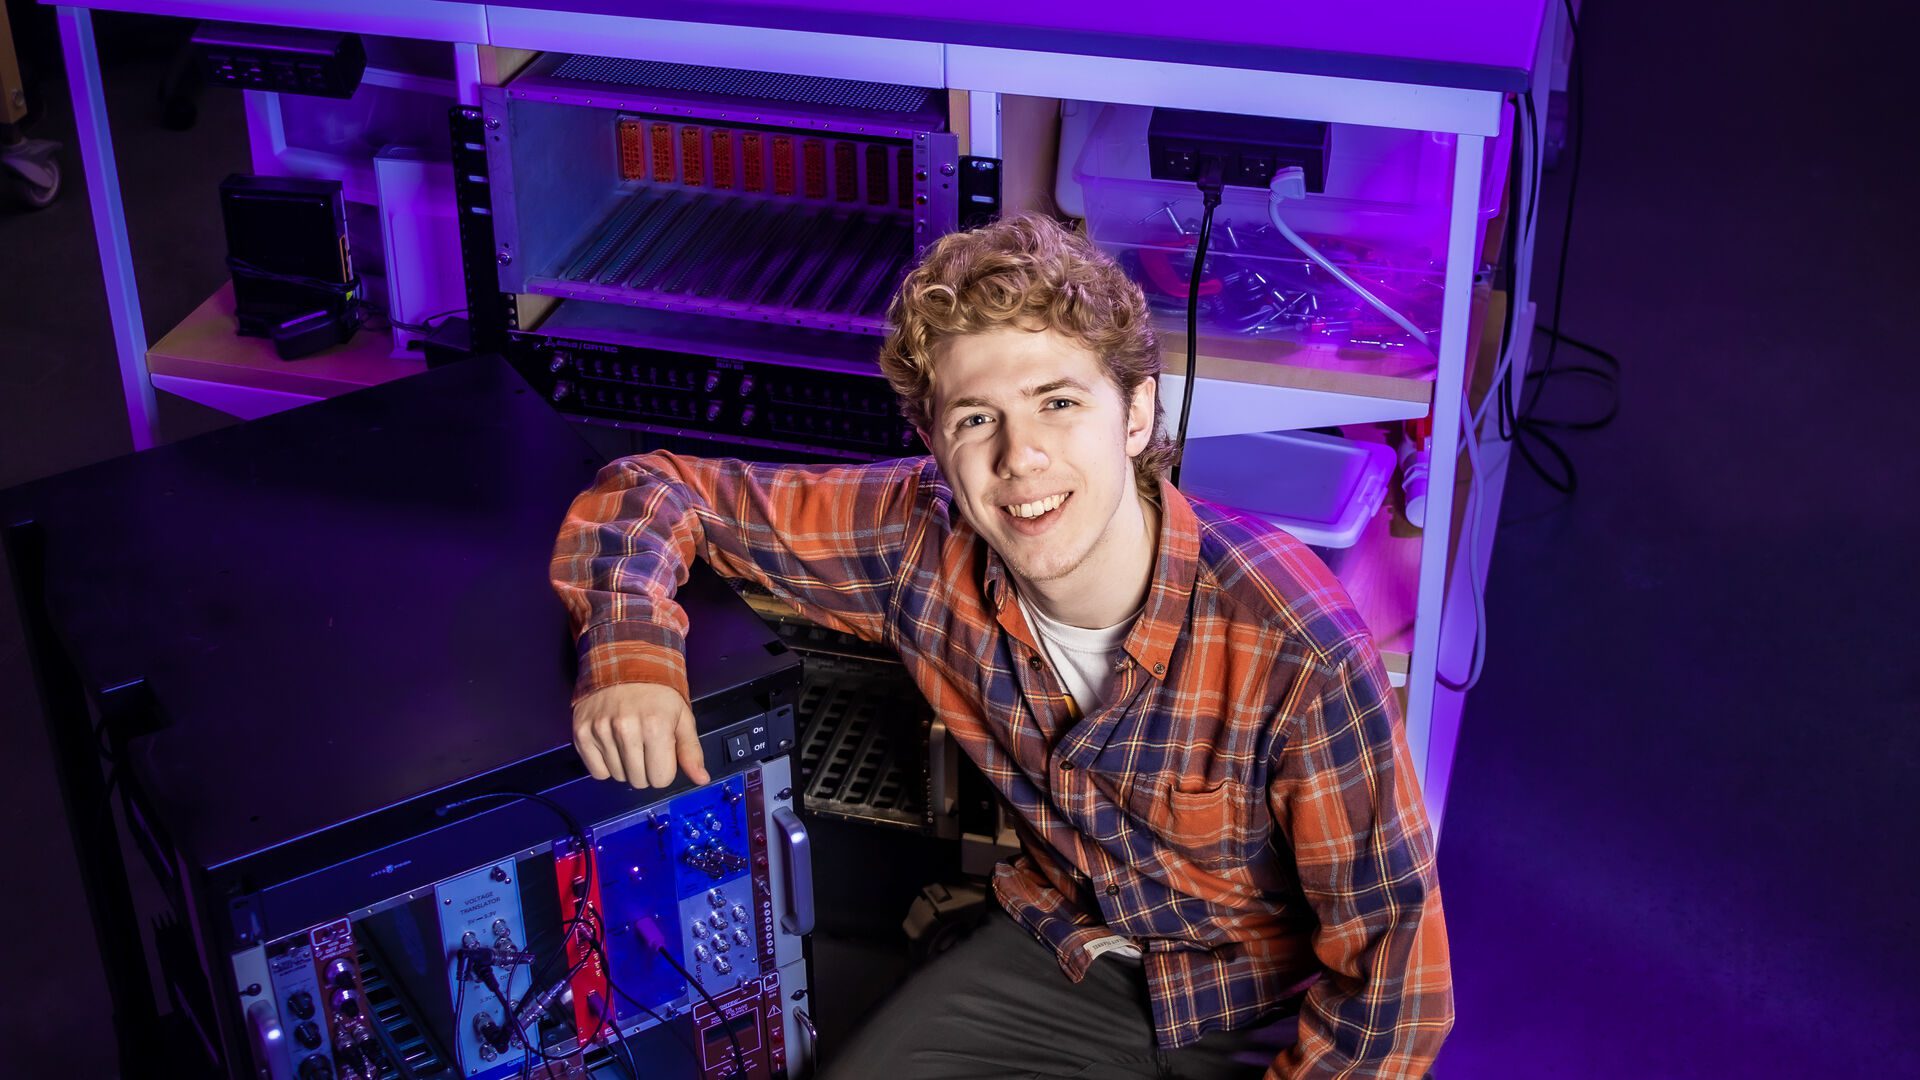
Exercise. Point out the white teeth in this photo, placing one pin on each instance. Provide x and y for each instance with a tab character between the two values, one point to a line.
1035	509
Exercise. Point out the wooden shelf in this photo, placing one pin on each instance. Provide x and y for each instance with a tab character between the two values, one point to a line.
1401	376
205	347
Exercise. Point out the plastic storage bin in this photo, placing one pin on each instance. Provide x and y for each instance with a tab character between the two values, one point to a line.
1256	283
1321	488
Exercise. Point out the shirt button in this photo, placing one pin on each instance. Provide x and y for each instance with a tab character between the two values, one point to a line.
1113	890
1066	766
1159	669
1033	662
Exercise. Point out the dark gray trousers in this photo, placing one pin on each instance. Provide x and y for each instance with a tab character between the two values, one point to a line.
998	1007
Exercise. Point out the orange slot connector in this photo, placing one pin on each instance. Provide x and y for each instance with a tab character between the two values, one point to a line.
783	165
633	152
903	175
662	139
877	175
693	156
846	172
722	159
814	163
753	167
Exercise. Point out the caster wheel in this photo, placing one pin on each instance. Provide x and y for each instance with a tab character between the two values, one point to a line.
41	195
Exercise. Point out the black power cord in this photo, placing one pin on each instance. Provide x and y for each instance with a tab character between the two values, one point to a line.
739	1056
579	837
1528	429
1211	182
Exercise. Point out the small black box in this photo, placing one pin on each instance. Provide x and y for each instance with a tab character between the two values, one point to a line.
287	250
322	63
1250	149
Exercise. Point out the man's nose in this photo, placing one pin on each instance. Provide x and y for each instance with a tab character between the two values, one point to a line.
1021	451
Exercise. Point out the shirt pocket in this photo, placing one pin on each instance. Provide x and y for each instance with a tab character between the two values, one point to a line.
1216	827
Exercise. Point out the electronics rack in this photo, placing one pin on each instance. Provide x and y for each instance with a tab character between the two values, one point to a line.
774	198
705	252
785	390
361	882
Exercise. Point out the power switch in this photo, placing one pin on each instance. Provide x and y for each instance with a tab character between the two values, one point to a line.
739	747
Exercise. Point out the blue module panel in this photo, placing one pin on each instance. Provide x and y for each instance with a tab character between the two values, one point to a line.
677	877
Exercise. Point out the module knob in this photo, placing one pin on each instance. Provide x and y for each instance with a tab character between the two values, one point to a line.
307	1034
300	1004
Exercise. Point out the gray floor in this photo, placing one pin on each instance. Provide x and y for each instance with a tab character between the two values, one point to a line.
1681	838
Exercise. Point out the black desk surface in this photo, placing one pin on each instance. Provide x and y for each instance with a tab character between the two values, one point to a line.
343	607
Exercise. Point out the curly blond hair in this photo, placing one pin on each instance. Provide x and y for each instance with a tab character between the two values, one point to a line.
1024	270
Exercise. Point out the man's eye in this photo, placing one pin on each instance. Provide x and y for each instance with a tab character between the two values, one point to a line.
973	421
1056	404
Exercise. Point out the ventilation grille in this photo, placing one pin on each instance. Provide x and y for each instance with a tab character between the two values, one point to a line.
767	86
862	747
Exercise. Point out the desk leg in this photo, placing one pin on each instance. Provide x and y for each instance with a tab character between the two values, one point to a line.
1436	539
109	220
84	793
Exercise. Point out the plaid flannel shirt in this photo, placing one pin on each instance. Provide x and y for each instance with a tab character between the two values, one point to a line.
1243	807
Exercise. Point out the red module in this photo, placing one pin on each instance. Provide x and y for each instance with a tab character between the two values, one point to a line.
581	897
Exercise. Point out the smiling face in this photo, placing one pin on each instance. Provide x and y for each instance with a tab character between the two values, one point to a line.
1036	443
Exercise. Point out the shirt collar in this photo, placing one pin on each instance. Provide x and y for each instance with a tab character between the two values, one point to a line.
1176	565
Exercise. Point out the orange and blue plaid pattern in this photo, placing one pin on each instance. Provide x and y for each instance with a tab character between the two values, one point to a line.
1243	807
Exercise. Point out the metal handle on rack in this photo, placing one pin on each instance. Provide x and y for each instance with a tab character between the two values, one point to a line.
797	871
813	1034
943	771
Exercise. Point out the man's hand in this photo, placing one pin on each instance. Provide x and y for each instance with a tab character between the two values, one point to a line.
635	732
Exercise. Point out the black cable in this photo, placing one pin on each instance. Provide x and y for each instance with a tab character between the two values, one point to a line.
1510	266
579	835
424	326
1576	70
636	1003
1210	183
739	1056
459	1005
1568	480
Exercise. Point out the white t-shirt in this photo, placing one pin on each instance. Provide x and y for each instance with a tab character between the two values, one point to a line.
1083	658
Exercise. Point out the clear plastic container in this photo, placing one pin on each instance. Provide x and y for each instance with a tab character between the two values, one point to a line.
1321	488
1255	282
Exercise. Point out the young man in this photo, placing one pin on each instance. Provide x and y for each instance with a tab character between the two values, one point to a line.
1221	826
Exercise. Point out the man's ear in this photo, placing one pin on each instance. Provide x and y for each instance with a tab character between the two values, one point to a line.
1140	411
